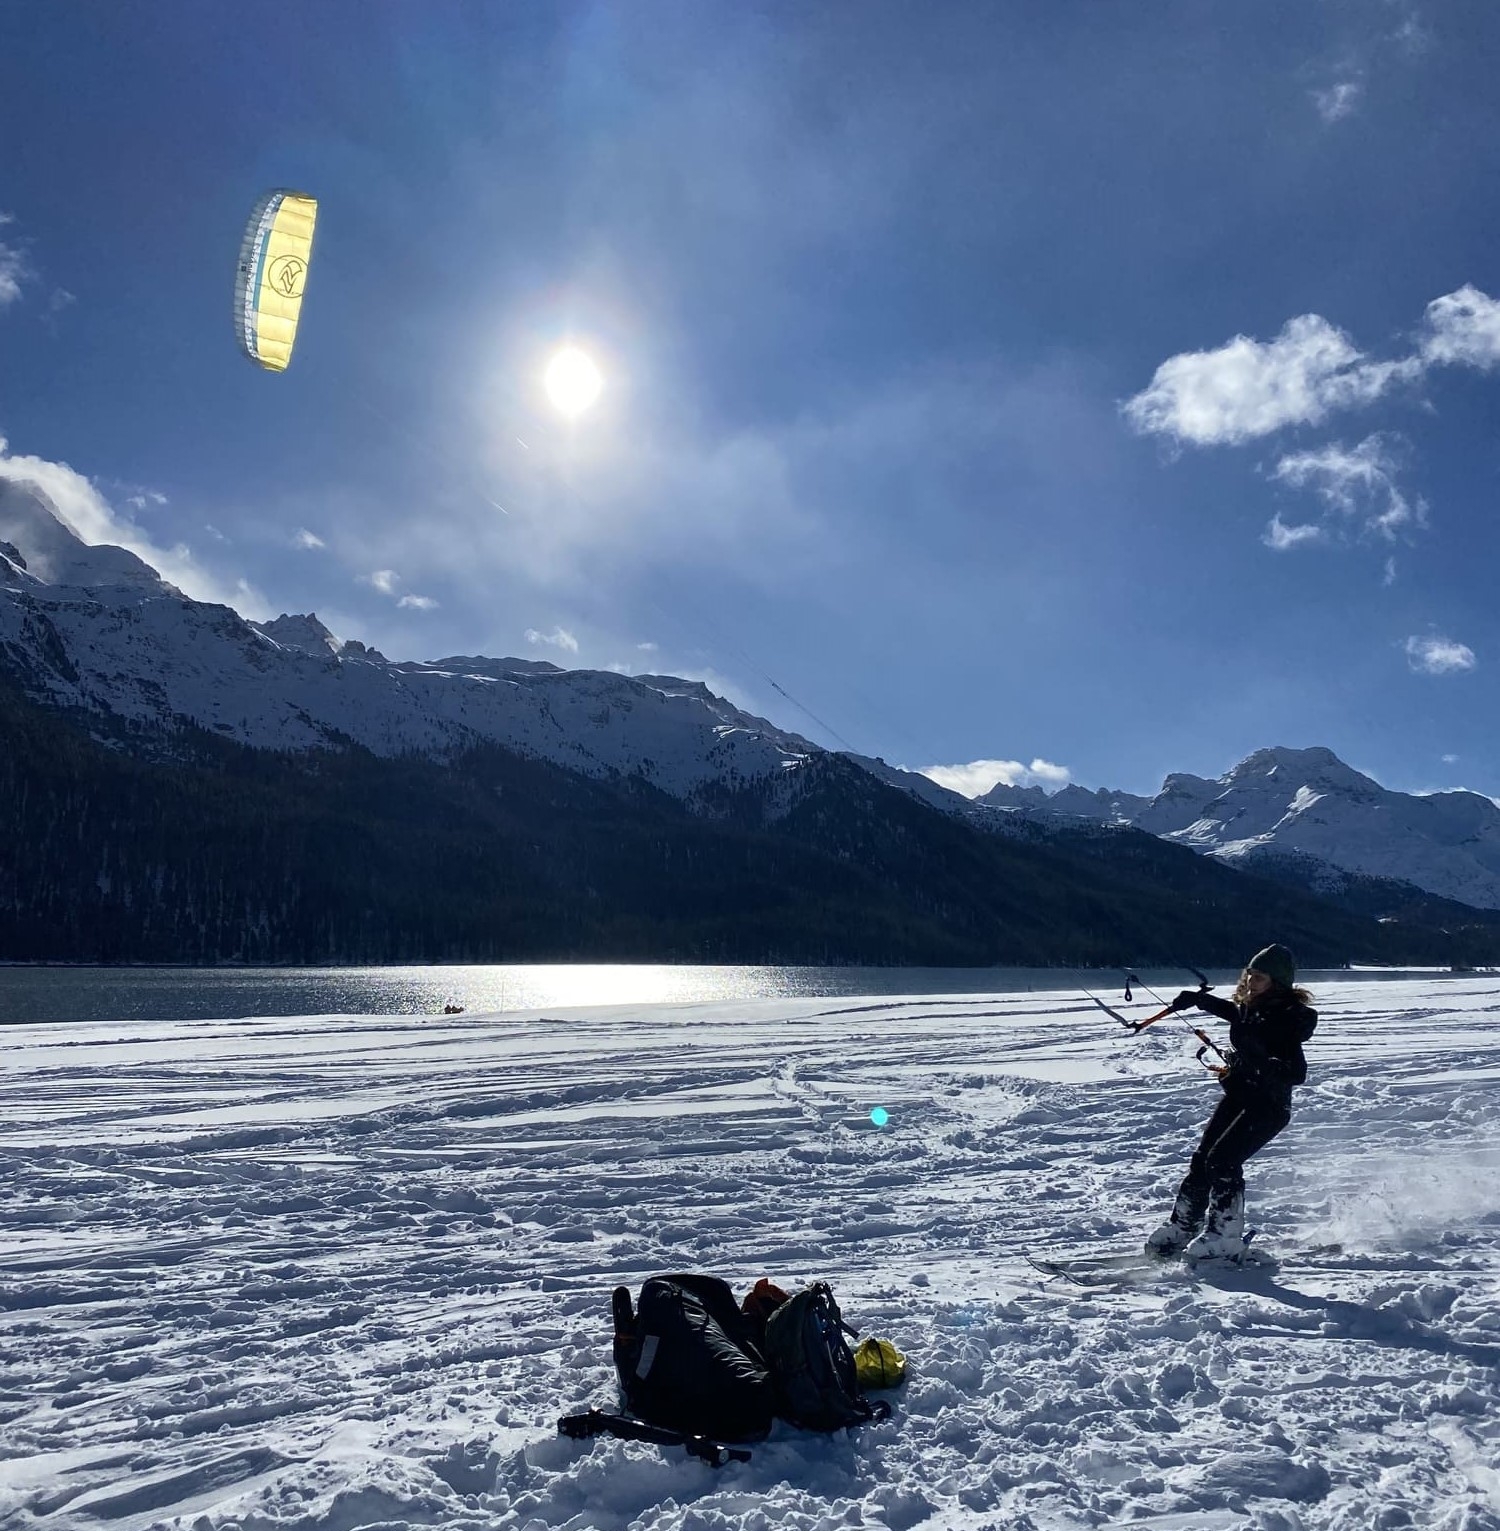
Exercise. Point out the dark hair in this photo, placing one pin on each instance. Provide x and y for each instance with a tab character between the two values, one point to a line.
1242	988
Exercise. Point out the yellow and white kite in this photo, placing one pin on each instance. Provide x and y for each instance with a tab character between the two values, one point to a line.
272	276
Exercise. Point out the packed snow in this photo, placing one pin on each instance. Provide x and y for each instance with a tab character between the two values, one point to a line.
339	1272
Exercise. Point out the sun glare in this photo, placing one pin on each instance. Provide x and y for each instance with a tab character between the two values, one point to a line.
573	381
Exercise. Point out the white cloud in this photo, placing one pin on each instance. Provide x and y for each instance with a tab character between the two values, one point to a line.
1281	537
418	602
383	580
1338	101
979	776
1412	36
1462	329
558	638
1434	655
1358	482
306	539
93	520
647	648
1247	389
1250	388
13	271
1450	759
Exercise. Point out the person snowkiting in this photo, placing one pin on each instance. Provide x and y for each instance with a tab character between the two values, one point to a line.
1269	1020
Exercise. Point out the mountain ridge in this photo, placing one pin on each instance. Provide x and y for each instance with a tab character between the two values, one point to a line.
1282	802
126	659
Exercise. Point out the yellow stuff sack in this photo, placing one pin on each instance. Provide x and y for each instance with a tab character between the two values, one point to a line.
879	1364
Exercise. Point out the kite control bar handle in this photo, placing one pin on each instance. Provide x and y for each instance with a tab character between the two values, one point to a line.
1135	1027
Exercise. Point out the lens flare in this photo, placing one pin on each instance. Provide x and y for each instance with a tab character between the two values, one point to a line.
880	1116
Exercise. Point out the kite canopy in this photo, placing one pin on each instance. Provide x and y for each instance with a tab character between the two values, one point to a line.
272	274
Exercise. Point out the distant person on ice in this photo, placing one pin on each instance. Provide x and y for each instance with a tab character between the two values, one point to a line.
1269	1020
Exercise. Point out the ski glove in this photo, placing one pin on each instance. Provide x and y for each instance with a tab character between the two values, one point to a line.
1241	1071
1187	1000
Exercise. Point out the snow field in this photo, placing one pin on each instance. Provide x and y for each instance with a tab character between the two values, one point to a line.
344	1272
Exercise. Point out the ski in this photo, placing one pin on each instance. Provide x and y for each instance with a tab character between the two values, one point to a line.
1133	1267
1104	1270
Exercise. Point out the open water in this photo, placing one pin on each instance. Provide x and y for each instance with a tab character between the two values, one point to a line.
61	994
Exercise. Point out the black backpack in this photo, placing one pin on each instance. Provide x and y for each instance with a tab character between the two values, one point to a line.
686	1360
817	1386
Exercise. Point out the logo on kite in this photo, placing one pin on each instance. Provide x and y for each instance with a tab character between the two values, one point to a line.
287	274
271	276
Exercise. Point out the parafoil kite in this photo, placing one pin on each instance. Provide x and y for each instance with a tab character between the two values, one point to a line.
272	274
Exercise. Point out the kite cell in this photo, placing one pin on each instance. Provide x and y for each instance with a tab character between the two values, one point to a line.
272	275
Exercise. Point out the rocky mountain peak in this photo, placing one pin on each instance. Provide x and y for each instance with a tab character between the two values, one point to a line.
1314	766
52	552
302	632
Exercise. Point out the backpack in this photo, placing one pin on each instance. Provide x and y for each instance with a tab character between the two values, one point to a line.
816	1384
686	1360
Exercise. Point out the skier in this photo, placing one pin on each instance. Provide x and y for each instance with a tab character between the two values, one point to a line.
1269	1020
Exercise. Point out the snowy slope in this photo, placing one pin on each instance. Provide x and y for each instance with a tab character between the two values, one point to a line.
1281	802
333	1273
95	628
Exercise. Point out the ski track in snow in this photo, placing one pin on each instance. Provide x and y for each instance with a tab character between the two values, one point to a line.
341	1272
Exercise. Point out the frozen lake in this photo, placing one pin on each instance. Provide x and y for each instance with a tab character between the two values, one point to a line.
181	994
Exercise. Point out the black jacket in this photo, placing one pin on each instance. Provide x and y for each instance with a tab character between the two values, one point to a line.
1265	1038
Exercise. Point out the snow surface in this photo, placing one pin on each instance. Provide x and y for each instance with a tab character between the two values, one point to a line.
338	1272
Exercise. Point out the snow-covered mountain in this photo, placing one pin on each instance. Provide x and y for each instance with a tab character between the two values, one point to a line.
97	629
1291	803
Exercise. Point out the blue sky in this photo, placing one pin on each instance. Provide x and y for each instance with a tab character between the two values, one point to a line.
1115	388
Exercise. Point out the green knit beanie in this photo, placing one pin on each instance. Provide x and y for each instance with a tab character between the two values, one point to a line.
1276	963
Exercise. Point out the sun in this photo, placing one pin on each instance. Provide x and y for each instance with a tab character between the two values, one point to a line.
573	381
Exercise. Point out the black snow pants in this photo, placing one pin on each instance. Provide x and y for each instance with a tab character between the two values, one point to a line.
1238	1128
